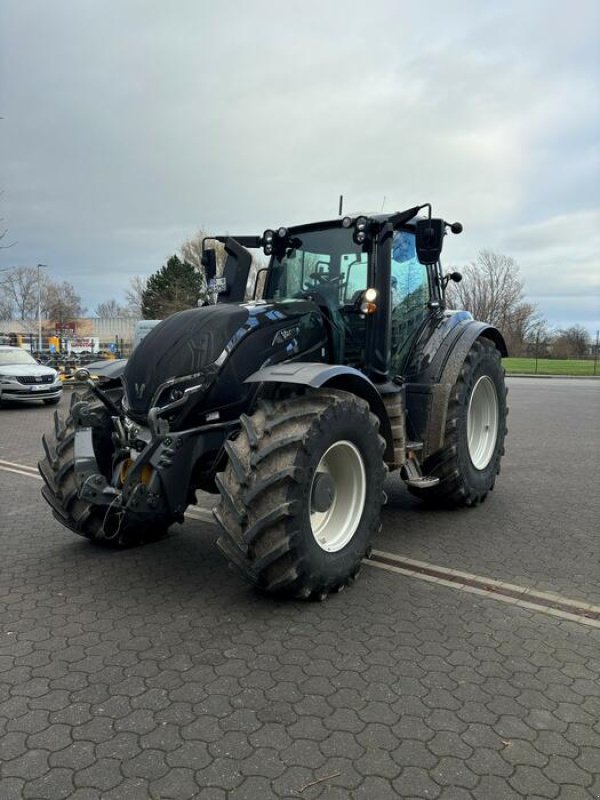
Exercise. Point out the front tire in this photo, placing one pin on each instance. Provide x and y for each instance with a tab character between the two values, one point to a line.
100	524
302	492
469	461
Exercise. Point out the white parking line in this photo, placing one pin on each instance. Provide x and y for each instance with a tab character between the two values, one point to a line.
21	471
521	596
21	467
200	514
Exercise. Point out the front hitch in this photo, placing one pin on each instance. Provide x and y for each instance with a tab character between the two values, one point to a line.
140	492
156	482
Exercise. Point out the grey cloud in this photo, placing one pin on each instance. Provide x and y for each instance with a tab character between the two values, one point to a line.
130	124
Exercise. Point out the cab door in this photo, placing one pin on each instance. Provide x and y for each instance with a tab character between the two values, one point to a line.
410	297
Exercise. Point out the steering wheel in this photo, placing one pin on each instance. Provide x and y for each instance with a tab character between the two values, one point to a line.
319	277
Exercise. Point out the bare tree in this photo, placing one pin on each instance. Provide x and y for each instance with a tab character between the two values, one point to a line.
110	309
134	296
62	303
20	291
573	342
3	231
492	290
6	310
5	245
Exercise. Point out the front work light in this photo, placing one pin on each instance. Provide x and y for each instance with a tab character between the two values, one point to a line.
360	229
268	237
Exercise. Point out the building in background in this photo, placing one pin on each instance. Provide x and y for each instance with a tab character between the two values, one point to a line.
85	335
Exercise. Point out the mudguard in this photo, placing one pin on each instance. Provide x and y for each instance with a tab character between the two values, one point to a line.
311	374
334	376
111	369
434	370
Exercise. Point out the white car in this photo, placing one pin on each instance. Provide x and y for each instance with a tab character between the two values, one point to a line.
22	378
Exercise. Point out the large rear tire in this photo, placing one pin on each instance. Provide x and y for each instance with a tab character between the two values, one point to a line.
302	492
101	525
469	461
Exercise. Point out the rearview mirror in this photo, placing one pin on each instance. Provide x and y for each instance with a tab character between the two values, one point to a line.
209	262
429	236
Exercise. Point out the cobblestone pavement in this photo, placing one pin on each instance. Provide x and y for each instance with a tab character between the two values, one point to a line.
155	673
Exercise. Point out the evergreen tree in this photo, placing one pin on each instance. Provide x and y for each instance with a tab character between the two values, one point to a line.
175	287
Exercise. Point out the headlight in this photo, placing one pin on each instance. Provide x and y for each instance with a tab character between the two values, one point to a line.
8	378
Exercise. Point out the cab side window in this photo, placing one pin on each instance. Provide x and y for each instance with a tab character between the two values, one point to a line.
354	269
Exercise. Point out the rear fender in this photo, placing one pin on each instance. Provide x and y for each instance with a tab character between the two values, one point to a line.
332	376
428	392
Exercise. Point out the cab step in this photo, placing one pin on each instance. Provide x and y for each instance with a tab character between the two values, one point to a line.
412	475
423	481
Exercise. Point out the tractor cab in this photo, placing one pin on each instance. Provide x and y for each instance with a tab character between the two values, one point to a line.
375	278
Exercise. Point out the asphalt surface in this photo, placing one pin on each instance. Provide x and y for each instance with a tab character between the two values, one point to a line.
155	673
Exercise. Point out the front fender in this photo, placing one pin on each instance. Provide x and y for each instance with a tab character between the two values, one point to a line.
314	374
333	376
109	369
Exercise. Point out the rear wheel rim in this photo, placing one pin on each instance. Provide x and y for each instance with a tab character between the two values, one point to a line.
334	528
482	422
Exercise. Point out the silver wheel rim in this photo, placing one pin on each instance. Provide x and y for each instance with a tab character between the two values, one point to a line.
334	528
482	422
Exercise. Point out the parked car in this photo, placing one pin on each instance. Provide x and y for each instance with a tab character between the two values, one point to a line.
23	378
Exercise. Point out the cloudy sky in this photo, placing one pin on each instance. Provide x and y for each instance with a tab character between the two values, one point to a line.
128	124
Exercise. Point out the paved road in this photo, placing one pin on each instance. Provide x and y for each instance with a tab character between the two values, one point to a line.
155	673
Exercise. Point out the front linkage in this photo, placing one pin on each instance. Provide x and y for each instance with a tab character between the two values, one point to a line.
128	482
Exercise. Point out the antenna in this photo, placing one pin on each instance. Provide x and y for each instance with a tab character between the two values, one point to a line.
341	204
383	203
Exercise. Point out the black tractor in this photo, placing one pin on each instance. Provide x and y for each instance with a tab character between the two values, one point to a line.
293	406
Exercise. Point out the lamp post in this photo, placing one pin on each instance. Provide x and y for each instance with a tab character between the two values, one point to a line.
39	266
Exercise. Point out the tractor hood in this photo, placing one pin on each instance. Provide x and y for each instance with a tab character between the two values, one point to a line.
189	348
181	346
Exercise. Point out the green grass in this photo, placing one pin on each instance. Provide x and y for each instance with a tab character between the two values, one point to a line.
549	366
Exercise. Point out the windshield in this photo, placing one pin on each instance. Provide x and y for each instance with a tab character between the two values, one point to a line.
12	357
326	260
